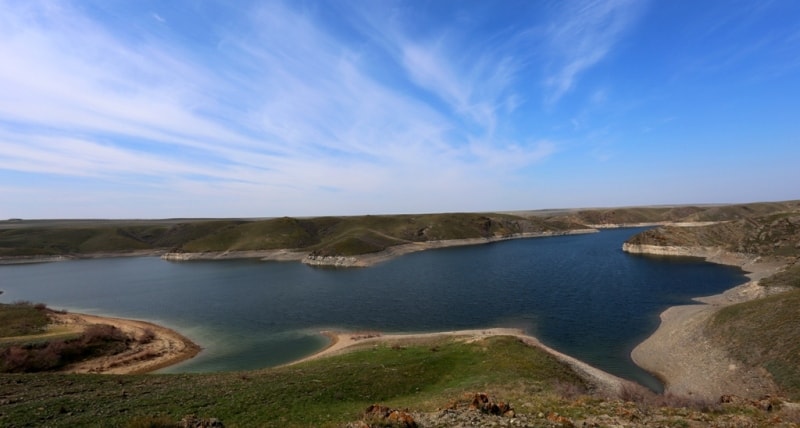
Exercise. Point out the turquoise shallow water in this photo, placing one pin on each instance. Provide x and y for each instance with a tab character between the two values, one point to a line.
579	294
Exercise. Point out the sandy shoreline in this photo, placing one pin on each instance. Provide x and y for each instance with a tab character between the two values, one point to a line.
681	354
164	347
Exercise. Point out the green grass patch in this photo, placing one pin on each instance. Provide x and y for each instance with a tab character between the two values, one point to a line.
764	333
326	392
324	235
790	277
22	319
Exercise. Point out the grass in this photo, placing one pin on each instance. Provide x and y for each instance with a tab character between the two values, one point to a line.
686	213
321	235
22	319
764	333
790	277
355	235
325	392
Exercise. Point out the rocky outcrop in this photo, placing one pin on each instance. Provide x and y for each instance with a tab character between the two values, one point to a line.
711	254
274	255
15	260
332	261
482	402
670	250
383	416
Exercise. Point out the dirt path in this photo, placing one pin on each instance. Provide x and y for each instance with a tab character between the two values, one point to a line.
341	342
163	348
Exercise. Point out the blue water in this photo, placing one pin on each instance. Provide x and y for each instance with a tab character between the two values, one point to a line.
579	294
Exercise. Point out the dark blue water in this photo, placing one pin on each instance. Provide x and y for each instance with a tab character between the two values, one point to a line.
579	294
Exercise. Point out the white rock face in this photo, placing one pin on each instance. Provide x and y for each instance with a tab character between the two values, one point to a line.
667	250
334	261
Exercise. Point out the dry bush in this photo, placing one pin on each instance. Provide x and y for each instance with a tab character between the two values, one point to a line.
790	413
569	390
642	396
694	403
635	393
37	357
147	336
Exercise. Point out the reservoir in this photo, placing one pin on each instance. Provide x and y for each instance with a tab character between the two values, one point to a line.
579	294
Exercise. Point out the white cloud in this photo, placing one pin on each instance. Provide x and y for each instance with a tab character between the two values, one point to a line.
280	108
584	33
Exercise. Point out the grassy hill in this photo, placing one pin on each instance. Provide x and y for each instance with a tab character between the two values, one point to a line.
686	213
321	235
776	234
427	377
763	332
332	236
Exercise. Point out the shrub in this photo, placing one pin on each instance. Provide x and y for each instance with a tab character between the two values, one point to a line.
97	340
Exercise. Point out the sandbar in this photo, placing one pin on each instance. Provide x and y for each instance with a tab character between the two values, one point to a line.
165	347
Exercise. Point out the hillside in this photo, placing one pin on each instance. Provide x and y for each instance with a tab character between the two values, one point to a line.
772	235
323	236
762	332
599	217
435	383
336	236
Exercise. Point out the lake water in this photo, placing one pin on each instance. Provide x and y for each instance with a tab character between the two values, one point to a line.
579	294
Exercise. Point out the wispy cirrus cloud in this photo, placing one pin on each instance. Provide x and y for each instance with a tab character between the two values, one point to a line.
277	104
582	35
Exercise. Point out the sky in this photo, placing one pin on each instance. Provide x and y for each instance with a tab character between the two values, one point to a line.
162	109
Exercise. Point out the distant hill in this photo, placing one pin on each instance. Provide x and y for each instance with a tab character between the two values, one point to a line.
320	236
671	214
332	236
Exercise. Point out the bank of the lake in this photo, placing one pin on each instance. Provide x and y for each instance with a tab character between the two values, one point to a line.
681	354
579	294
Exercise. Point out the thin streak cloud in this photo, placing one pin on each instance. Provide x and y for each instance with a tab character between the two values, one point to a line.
316	108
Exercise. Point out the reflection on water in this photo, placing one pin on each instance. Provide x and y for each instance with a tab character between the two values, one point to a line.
579	294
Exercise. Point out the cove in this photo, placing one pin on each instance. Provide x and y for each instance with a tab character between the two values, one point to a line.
579	294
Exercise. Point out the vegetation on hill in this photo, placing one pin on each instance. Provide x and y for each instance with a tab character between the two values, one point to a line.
321	235
326	392
332	236
689	213
766	333
776	234
36	355
27	346
334	391
22	319
763	332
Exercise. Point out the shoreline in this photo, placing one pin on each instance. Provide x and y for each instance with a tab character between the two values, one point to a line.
294	255
342	342
680	353
164	347
361	260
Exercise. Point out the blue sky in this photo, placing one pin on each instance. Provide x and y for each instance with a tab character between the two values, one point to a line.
154	109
